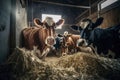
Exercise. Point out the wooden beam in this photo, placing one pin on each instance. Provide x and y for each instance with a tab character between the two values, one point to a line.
82	14
87	9
60	4
23	3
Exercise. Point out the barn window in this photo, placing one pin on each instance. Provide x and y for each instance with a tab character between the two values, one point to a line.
107	3
55	18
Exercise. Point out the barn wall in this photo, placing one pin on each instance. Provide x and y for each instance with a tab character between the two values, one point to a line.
68	13
5	7
13	20
66	27
12	34
21	20
111	17
110	14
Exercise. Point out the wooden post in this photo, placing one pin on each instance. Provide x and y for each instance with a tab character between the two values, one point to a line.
90	8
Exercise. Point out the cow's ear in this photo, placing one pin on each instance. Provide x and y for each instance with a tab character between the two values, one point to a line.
60	35
37	22
61	21
80	28
76	27
99	21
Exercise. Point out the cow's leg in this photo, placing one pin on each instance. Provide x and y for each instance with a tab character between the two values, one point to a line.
64	51
44	53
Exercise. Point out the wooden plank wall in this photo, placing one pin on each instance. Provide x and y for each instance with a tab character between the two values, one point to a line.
5	12
111	16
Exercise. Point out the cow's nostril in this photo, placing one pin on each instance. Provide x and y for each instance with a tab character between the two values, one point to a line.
50	41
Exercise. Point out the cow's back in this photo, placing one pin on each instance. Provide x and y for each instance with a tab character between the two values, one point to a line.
75	38
71	41
103	39
35	37
28	35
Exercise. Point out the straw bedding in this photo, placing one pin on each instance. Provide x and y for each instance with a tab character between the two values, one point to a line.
25	65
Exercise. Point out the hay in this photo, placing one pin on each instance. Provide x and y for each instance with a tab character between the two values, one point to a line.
92	66
25	65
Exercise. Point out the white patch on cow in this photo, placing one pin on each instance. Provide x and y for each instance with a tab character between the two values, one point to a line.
84	24
49	21
51	31
82	42
65	33
86	49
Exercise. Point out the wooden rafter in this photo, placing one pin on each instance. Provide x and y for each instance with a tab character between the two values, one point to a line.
60	4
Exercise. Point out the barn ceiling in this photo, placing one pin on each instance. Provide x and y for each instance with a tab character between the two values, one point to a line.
73	7
70	2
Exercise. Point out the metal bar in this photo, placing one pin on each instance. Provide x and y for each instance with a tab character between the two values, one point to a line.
60	4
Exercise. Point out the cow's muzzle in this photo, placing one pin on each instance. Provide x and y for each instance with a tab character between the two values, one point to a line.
81	42
50	41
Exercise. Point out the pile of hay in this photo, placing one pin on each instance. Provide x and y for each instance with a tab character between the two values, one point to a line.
25	65
92	67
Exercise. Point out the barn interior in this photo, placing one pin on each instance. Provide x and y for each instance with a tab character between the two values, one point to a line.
20	64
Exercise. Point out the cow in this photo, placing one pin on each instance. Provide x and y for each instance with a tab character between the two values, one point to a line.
42	35
69	43
72	43
59	40
101	39
65	43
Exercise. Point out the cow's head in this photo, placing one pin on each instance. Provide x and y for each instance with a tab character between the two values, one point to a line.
87	26
49	25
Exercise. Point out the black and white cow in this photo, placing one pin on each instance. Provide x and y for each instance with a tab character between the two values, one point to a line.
103	39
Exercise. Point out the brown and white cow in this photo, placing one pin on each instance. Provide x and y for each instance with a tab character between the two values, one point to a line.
70	43
43	35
